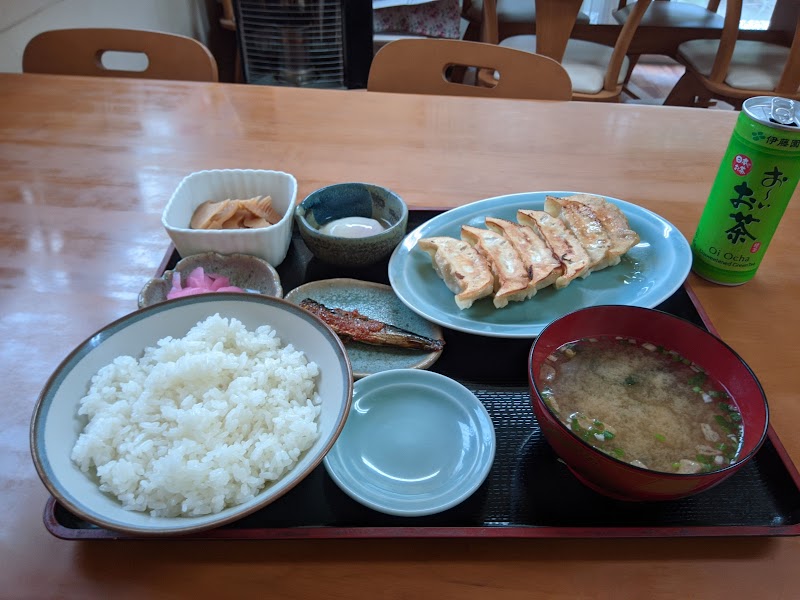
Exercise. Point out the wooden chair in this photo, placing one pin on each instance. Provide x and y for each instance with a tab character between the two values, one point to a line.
420	66
666	13
734	70
597	71
80	52
514	17
661	19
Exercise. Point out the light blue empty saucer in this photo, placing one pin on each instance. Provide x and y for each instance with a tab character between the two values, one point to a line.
415	443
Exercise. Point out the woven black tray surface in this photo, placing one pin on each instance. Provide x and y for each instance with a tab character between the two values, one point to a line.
527	486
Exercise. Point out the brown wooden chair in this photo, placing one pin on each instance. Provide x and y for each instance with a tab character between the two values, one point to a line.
514	17
661	20
421	66
668	13
80	52
597	71
734	70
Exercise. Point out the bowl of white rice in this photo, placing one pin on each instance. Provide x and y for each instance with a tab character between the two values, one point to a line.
191	413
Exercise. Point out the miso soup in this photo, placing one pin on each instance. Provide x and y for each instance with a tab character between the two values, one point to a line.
643	404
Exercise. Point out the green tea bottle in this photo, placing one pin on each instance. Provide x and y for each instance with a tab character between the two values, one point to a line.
755	181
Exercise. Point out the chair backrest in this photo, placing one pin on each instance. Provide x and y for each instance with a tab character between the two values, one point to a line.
790	78
80	52
420	66
727	41
228	18
789	81
554	22
611	81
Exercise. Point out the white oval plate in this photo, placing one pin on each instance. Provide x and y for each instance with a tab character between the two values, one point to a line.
415	443
649	273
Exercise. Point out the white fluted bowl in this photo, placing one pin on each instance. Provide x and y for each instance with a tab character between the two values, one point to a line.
270	243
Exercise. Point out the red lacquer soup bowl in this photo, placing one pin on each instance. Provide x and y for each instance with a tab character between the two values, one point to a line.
614	477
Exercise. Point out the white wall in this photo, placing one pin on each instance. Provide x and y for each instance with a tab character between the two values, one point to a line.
20	20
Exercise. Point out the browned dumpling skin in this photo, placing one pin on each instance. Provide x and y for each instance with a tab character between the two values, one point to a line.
511	279
463	270
562	242
542	266
573	237
623	238
581	220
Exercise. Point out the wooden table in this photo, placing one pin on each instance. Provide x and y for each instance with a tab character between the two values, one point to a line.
86	166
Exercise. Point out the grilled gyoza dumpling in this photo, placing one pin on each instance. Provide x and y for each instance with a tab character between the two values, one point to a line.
542	266
463	270
623	238
511	280
584	224
565	246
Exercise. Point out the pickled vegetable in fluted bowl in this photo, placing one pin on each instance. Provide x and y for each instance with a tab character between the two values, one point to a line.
233	211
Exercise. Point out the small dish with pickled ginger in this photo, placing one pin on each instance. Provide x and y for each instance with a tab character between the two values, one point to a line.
211	272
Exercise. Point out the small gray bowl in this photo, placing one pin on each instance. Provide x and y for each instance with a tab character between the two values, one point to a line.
352	200
250	273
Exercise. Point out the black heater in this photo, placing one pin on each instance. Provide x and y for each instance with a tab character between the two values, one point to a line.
305	43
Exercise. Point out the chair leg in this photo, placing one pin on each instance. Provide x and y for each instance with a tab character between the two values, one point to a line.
485	78
238	72
626	89
704	100
736	103
456	74
686	91
633	60
473	32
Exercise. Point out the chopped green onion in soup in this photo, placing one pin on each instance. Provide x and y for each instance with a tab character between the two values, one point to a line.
644	404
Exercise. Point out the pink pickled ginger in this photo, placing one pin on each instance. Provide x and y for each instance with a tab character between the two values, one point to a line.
198	282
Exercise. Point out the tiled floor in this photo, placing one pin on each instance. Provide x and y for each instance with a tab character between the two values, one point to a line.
651	82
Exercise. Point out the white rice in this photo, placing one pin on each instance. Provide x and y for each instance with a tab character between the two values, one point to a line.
199	423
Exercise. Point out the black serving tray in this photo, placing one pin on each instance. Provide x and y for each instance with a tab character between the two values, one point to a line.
529	492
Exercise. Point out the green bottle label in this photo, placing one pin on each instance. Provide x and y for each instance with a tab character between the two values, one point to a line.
754	184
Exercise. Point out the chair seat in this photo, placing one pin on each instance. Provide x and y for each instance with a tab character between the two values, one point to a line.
510	11
673	14
585	62
754	65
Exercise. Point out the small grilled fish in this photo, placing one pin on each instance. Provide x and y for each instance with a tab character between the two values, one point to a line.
352	325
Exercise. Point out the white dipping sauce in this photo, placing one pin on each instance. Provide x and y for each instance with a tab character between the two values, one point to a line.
352	227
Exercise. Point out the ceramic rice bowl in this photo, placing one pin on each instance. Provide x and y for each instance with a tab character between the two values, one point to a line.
56	424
